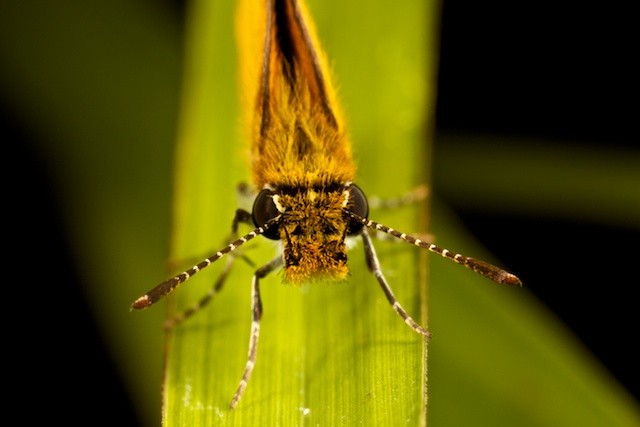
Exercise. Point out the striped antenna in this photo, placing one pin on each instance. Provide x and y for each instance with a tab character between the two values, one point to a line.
157	293
487	270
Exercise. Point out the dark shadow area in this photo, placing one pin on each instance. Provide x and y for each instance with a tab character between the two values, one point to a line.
558	72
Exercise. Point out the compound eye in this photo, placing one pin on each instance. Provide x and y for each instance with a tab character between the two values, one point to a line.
358	205
264	209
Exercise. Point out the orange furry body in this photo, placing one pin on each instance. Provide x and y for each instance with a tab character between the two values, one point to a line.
299	147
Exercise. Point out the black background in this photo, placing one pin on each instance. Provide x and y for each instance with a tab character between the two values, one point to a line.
548	70
560	72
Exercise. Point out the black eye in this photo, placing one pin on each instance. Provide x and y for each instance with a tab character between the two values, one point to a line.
265	209
358	205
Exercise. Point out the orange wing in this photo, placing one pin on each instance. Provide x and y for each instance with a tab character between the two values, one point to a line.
296	126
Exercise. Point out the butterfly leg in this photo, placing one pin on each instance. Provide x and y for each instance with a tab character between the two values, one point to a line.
374	267
256	309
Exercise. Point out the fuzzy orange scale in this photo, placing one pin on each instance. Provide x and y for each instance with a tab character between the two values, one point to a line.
299	147
313	229
294	120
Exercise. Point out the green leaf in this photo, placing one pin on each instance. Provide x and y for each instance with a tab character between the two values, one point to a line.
328	353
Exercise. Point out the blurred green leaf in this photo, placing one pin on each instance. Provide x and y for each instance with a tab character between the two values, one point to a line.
505	359
545	179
